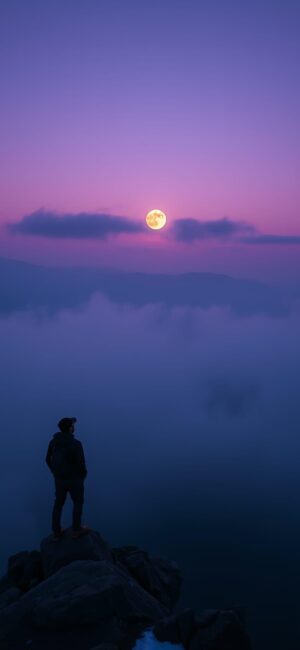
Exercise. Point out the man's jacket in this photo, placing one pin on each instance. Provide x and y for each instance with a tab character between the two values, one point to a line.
65	457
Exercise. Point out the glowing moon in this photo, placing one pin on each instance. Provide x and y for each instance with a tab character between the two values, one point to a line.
156	219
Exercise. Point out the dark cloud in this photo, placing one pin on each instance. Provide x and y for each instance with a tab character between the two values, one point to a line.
83	225
271	239
189	230
87	225
223	229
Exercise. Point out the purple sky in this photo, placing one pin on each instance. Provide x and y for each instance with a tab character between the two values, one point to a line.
115	108
108	109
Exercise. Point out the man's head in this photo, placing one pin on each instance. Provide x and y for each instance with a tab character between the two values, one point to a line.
67	425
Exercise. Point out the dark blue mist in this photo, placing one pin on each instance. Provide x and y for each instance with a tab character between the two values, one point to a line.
189	415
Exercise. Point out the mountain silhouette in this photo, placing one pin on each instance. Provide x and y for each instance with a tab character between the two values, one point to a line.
25	286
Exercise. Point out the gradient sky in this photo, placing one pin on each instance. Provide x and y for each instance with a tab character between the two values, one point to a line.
119	107
110	108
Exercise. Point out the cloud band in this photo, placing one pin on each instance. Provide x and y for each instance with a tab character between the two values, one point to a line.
88	225
83	225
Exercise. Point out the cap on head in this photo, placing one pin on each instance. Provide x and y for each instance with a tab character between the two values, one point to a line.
65	423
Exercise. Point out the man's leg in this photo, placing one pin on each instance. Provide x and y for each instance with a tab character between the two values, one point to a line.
60	497
76	489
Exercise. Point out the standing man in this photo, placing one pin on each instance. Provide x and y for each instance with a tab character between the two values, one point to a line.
65	458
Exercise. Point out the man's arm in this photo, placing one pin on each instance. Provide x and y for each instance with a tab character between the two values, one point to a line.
48	456
81	459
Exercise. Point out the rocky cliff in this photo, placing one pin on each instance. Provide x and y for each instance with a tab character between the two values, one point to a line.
85	595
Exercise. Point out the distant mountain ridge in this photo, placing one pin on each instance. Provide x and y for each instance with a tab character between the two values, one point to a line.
25	286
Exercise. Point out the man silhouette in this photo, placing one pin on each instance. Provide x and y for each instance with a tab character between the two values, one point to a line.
65	458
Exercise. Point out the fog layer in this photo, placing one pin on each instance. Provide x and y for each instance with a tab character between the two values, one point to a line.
189	418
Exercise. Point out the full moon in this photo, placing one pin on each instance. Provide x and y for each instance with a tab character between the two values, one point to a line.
156	219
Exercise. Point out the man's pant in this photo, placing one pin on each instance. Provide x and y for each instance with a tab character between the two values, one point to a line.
75	487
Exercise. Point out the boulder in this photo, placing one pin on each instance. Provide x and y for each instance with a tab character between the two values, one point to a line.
186	625
56	555
177	628
25	569
166	630
9	596
211	630
83	593
160	576
5	584
86	591
220	630
207	617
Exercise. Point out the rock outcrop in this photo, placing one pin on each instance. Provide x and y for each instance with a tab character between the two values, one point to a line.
83	594
54	556
212	630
